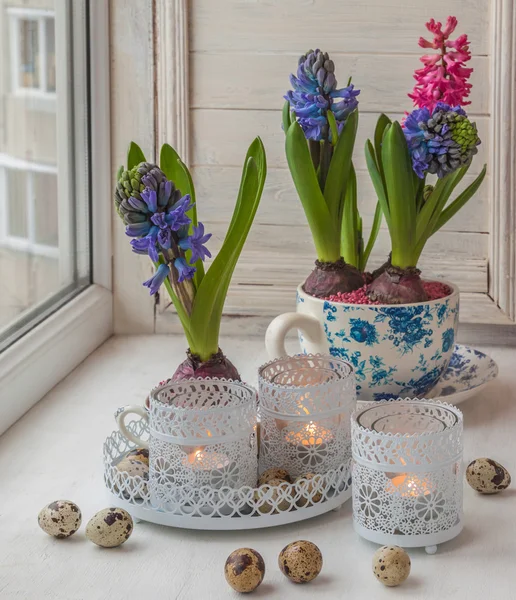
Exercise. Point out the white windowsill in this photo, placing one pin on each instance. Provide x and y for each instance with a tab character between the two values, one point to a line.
46	354
55	452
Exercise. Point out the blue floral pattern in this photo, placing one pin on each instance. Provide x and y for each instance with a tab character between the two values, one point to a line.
467	370
395	350
448	339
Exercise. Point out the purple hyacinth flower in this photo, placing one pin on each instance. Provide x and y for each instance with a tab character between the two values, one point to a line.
154	283
164	192
150	198
314	92
176	216
159	220
138	229
195	243
147	244
184	270
165	238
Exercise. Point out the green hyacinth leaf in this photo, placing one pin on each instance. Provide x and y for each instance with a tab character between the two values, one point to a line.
324	231
436	202
333	127
340	166
376	178
171	164
211	295
286	116
375	229
381	124
451	210
350	222
399	183
135	156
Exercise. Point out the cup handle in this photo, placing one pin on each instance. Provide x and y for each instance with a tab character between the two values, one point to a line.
277	331
120	419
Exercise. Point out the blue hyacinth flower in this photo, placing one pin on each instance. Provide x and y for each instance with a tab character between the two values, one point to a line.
155	282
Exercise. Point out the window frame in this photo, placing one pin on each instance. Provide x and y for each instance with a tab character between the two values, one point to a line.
14	242
17	14
61	341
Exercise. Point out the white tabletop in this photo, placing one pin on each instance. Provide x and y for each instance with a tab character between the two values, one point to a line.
54	452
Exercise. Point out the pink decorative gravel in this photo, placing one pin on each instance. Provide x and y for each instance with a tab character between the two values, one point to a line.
434	290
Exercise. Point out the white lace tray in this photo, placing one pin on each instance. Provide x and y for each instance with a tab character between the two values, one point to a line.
225	508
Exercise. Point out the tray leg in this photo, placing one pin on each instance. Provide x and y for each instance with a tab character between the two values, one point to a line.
431	549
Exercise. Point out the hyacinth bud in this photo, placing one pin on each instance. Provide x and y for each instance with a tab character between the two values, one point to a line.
427	190
129	184
315	93
130	204
442	141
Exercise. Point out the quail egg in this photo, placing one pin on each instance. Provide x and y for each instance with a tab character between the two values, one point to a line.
60	518
274	473
391	565
487	476
300	561
244	570
110	527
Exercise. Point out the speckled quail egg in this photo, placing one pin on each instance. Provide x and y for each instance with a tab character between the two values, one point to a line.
273	496
300	561
274	473
134	468
308	489
391	565
110	527
487	476
60	518
244	570
141	454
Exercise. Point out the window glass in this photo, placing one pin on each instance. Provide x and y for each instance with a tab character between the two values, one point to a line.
50	54
16	197
29	71
46	216
44	196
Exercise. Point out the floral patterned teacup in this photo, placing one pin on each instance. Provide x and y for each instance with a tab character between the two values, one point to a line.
396	350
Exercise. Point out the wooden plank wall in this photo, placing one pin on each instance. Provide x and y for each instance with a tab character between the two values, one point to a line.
241	54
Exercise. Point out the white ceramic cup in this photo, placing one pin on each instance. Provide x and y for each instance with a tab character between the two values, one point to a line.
396	350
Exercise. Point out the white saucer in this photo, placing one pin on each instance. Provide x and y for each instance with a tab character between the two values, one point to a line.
469	372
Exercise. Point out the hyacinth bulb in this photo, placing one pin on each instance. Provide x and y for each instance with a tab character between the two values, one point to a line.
397	286
331	278
218	365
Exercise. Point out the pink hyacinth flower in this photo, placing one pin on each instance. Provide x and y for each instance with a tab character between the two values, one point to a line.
444	77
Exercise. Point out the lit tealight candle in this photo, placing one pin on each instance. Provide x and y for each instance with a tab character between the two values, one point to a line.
206	461
310	435
408	485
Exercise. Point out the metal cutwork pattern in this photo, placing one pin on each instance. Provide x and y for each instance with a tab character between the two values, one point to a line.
305	403
407	474
304	447
231	464
419	433
307	384
424	504
202	432
203	409
184	499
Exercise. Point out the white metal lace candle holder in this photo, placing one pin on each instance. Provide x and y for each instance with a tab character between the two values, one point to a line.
201	433
407	472
305	403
